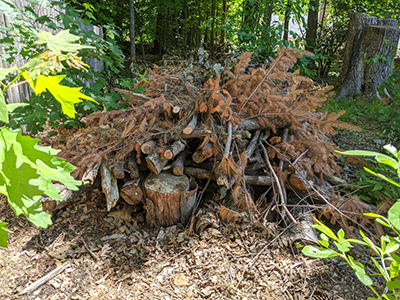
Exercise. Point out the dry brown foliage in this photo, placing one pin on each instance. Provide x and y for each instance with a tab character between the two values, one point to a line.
271	94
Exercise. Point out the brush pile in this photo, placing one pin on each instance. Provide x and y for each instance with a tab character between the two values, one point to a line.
249	127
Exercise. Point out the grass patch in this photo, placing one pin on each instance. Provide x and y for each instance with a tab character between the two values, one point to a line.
381	120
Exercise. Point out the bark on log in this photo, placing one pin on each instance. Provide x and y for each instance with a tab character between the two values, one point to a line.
50	205
91	174
366	40
131	192
109	186
178	164
175	149
132	167
155	163
191	126
203	174
118	170
254	123
168	194
148	146
202	154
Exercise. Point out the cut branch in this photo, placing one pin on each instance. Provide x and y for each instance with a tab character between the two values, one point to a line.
191	126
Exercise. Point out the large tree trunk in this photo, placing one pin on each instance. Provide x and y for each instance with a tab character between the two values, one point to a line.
312	25
366	40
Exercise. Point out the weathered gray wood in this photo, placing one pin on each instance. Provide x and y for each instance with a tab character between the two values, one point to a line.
365	40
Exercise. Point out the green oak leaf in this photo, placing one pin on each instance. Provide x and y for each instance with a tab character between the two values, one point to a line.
61	42
3	234
23	197
3	109
67	96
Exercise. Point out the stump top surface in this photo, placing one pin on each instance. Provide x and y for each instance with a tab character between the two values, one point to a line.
166	182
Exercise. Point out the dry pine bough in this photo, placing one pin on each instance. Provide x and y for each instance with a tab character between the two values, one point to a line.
249	127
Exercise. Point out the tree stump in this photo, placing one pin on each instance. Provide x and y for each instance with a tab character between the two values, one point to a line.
173	198
367	38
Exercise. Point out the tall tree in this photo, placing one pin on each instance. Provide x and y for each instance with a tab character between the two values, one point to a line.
132	29
312	25
288	10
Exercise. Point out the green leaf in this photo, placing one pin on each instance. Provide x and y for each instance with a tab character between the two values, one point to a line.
391	247
372	215
388	179
3	109
391	149
343	246
394	215
359	153
3	234
318	252
61	42
325	229
391	285
67	96
12	106
5	72
23	197
340	234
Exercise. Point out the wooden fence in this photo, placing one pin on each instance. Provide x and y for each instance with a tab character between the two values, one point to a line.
21	92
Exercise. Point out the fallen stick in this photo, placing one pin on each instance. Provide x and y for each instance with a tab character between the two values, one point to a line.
191	126
32	287
203	174
278	183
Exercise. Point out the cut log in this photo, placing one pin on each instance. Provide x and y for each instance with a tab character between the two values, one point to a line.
167	193
203	153
176	110
131	192
148	146
174	150
191	126
155	163
118	170
131	165
178	164
109	186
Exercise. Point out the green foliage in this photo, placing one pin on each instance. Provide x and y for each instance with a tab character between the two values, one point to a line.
46	106
28	170
385	251
388	265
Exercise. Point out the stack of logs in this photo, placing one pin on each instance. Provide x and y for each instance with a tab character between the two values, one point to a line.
258	129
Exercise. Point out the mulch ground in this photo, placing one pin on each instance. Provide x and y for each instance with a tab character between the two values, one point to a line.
113	256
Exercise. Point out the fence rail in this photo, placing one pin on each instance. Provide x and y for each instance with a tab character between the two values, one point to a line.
19	93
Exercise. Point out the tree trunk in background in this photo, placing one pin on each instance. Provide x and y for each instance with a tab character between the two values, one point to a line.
366	40
198	32
287	20
312	25
132	29
158	47
270	9
213	5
